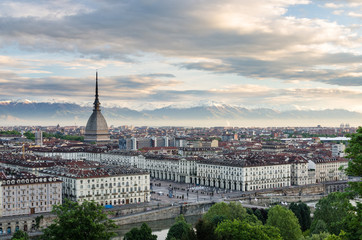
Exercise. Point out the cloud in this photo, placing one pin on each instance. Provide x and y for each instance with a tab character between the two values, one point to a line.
327	68
259	42
333	5
254	96
41	9
354	14
81	89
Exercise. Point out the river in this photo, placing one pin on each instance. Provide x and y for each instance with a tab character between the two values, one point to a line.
159	228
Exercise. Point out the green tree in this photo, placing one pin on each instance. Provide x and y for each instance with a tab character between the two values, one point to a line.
286	221
319	236
205	230
354	151
20	235
181	230
353	222
302	212
79	222
231	211
12	132
237	229
30	135
144	233
332	209
319	227
260	216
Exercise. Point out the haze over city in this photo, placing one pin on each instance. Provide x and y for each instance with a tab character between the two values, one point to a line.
281	55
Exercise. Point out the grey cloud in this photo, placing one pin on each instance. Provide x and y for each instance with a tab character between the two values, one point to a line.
163	75
290	68
345	81
116	29
124	86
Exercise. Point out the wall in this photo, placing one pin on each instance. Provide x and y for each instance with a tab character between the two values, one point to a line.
165	213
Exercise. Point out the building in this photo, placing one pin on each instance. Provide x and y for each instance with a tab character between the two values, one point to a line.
244	175
328	169
26	193
25	163
39	138
338	150
243	171
106	185
97	129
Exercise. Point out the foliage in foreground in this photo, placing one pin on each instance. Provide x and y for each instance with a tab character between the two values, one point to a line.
143	233
354	151
181	230
285	221
20	235
236	229
79	222
335	213
302	212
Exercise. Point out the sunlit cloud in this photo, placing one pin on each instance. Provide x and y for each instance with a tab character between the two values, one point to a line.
157	53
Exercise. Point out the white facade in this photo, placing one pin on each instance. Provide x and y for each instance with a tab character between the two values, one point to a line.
287	171
338	150
29	195
329	169
117	189
243	178
299	173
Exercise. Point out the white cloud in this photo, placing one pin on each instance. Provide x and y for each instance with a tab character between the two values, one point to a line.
354	14
333	5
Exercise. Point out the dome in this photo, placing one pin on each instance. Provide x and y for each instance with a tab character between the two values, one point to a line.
97	128
96	124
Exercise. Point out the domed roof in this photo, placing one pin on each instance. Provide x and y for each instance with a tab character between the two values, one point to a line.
97	128
96	124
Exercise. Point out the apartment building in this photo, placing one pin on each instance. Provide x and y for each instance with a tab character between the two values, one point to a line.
25	193
106	185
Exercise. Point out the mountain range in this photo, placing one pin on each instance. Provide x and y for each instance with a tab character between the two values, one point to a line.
43	113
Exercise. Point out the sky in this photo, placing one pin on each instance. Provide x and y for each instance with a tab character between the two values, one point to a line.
278	54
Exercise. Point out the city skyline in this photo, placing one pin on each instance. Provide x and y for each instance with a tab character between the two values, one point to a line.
282	55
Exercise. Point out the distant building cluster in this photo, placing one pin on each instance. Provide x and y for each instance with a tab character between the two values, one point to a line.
114	166
244	172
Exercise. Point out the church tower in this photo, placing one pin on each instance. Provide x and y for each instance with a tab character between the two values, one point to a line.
97	129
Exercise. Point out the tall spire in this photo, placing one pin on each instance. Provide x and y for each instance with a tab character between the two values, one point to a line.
96	101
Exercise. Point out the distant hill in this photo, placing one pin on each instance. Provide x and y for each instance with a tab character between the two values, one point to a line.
31	113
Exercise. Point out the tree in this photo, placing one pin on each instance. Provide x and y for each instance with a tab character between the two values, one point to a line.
222	211
332	210
20	235
79	222
260	216
319	236
302	212
353	222
237	229
30	135
319	227
144	233
354	151
205	230
286	221
181	230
